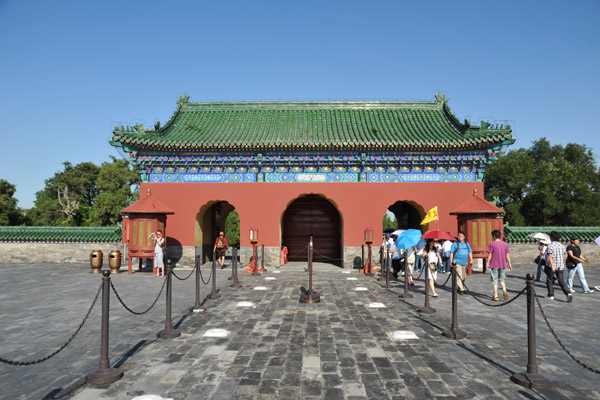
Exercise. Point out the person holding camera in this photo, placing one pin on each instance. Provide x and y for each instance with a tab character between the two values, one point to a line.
461	255
159	242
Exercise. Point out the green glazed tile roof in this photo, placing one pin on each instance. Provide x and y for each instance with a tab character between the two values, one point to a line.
375	125
518	234
59	234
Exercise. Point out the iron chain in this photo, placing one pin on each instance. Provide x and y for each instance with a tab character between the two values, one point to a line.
187	277
537	300
22	363
495	305
129	309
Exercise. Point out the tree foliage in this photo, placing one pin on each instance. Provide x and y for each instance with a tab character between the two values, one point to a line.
10	214
389	223
232	228
546	185
97	194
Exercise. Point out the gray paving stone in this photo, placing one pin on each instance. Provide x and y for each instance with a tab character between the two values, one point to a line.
335	349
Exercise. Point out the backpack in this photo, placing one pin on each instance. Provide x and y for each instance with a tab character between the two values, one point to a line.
220	244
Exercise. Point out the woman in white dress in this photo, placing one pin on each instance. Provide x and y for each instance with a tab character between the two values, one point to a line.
159	263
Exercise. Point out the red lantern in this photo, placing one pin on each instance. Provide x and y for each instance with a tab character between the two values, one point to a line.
253	235
368	235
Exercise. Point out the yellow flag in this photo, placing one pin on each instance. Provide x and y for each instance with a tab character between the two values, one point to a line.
432	215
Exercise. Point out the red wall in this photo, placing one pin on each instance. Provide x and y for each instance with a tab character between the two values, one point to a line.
261	205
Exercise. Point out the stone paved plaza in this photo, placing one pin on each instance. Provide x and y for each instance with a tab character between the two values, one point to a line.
276	347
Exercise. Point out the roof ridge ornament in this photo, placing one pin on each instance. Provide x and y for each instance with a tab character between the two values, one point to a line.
441	98
183	99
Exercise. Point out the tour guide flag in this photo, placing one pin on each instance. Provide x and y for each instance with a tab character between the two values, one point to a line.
432	215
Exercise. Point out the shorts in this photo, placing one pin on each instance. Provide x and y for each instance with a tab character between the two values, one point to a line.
220	253
497	275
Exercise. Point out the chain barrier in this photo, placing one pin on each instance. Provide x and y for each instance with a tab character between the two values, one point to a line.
187	277
300	253
61	348
537	300
447	279
129	309
202	276
494	305
331	258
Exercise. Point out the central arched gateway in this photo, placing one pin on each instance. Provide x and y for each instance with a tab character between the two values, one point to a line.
316	216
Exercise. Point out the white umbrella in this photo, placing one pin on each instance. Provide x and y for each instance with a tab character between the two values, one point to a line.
597	240
397	232
540	235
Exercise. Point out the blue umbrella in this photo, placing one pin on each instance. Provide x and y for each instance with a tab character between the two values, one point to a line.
408	239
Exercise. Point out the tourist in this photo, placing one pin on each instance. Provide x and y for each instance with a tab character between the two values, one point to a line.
159	263
556	266
541	258
432	257
461	255
575	266
499	255
221	247
446	246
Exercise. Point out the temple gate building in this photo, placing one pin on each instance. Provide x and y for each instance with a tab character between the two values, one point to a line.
291	169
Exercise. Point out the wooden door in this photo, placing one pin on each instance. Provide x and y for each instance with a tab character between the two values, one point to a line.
312	215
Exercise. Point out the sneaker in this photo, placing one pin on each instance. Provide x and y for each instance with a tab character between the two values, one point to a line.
589	291
550	297
569	298
597	287
572	290
505	294
495	298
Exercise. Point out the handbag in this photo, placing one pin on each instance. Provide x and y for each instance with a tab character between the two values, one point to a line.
433	267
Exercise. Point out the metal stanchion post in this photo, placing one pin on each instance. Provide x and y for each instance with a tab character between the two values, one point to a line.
531	379
406	295
197	306
362	255
234	266
262	257
454	332
169	332
310	296
387	270
105	374
214	294
427	309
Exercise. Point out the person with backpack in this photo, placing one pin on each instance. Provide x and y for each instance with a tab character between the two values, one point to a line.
556	266
461	255
221	247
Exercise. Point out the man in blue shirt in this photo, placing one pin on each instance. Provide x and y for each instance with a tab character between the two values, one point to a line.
462	254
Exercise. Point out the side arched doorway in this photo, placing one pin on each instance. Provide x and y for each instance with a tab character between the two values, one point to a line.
211	219
312	215
403	215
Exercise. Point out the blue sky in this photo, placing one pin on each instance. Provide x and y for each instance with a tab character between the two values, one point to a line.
71	70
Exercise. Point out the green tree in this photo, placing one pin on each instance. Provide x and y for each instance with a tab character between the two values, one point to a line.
546	185
232	228
114	183
389	223
94	195
10	214
81	183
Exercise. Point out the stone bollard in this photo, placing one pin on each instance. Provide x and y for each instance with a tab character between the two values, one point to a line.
531	379
169	332
454	332
105	374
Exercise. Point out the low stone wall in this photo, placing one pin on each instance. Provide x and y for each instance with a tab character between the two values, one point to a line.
37	252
